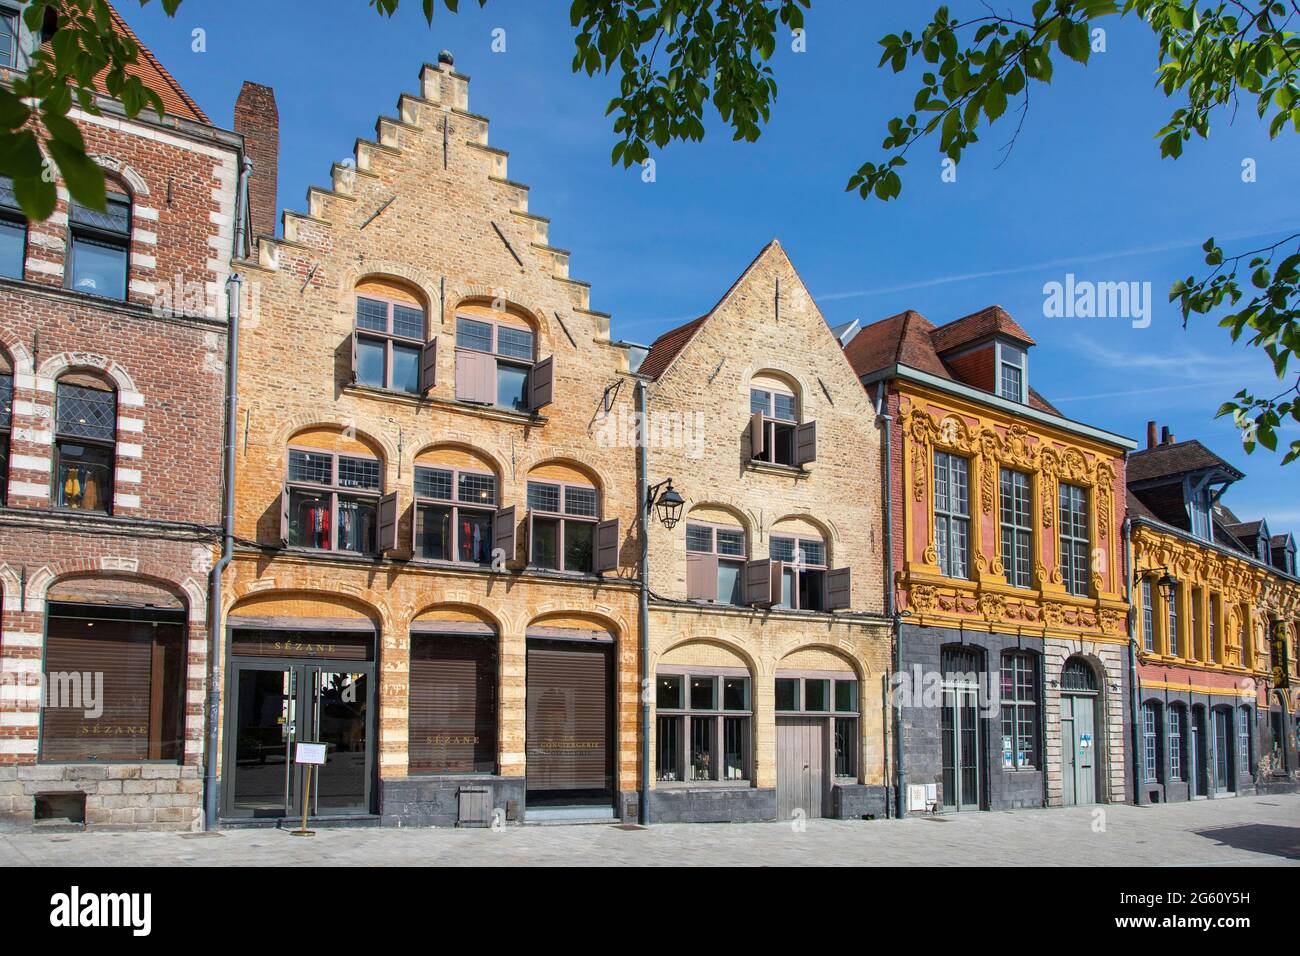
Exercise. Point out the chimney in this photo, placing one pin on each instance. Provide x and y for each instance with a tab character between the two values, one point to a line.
258	121
1166	437
1151	435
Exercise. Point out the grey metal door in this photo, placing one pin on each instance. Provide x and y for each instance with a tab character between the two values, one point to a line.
1079	743
801	744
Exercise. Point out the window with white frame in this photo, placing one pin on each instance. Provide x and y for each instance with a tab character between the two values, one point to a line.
1148	618
833	696
1244	718
952	514
1020	710
1151	742
1017	529
333	500
1212	631
1171	607
9	36
1176	721
803	582
562	519
1074	540
454	511
707	545
703	726
780	411
1011	373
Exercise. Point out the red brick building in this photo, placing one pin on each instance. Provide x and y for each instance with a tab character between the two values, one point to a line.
113	353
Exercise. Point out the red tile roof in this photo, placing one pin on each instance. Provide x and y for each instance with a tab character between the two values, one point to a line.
154	76
992	320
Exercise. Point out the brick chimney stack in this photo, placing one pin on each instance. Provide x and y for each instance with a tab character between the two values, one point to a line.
1151	435
1166	436
258	120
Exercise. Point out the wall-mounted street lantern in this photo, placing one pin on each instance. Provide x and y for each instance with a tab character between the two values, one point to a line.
666	501
1167	581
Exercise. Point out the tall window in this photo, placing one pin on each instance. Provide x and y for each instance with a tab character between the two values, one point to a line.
1171	604
727	545
834	697
1011	378
8	39
1212	631
562	525
493	363
952	514
1151	742
1074	538
390	334
1019	710
803	583
1017	532
1194	649
84	444
1176	743
1148	618
99	246
780	411
333	501
6	421
13	227
1244	718
702	727
454	509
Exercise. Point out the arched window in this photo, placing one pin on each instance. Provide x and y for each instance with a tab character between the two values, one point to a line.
85	443
715	558
6	420
456	508
775	433
13	225
99	246
565	532
388	346
1177	730
331	499
1020	710
803	578
1076	675
1151	742
496	360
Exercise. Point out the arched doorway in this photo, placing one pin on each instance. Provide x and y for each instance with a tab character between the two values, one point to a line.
1079	763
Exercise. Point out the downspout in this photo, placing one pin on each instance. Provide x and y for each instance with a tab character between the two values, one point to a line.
643	610
1132	660
235	286
886	422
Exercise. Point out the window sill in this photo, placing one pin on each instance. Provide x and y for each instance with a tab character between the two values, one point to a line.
330	554
772	468
704	785
409	398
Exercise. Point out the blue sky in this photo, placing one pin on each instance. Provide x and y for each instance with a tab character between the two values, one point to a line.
1084	190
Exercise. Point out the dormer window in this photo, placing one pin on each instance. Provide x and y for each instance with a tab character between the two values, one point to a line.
1199	507
1012	377
8	39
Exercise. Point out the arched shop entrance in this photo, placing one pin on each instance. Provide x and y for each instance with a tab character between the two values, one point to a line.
1079	706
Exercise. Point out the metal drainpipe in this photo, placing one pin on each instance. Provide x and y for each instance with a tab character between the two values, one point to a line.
1132	659
886	467
235	288
643	492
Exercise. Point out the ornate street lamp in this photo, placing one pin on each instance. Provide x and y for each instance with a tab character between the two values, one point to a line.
664	499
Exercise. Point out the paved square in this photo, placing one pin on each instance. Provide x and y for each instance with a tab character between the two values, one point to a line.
1262	831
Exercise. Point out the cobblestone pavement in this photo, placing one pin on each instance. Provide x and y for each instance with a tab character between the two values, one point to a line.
1243	831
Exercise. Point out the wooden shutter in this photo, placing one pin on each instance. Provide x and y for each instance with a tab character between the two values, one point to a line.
388	522
607	545
528	539
428	366
757	432
805	443
701	577
476	377
284	515
451	723
354	356
541	383
760	578
568	717
839	589
504	527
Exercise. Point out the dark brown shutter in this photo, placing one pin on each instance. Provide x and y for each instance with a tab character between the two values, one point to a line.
805	444
142	671
757	431
568	722
284	515
452	715
701	577
388	522
428	366
504	526
354	357
541	383
757	584
839	589
528	538
607	545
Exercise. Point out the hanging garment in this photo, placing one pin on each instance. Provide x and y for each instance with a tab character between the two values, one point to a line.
72	489
90	493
